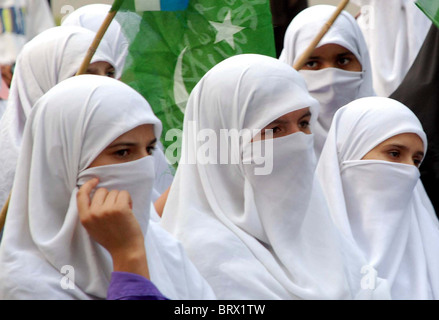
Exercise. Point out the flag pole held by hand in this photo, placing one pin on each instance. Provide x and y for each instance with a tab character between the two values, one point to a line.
305	56
99	35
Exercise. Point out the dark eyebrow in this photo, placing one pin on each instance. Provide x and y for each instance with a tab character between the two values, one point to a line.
308	114
400	146
130	144
281	121
347	53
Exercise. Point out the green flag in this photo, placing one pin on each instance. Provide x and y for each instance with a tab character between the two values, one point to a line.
431	9
171	50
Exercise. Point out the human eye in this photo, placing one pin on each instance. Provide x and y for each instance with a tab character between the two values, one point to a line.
417	160
311	65
344	61
111	73
304	124
150	150
395	154
276	129
122	153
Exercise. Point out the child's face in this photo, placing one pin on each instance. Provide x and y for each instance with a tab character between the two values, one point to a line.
332	56
133	145
296	121
406	148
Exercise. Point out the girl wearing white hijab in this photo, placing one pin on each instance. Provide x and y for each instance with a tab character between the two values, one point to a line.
369	172
91	17
254	234
345	77
66	131
51	57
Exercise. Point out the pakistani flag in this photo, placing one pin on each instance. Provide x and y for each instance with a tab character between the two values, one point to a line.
171	50
431	9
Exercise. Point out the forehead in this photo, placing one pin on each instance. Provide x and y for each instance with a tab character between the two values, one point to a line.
141	132
330	49
411	141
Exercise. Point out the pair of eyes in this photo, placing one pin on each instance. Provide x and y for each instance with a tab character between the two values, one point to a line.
125	152
342	62
303	125
396	156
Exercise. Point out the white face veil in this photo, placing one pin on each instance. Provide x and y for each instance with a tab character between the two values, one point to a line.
91	17
382	205
256	236
51	57
66	131
332	87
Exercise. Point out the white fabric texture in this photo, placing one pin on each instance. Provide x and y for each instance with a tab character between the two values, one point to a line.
256	236
394	31
91	17
332	87
43	232
29	19
51	57
382	205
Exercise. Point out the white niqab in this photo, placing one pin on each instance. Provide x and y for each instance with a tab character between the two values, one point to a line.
380	204
256	236
67	129
332	87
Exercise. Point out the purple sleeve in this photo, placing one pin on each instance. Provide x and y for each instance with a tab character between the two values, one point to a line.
130	286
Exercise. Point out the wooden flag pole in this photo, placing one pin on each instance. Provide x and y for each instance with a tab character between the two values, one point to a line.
97	40
4	212
305	56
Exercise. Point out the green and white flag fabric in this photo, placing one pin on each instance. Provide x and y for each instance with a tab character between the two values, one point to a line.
431	9
171	50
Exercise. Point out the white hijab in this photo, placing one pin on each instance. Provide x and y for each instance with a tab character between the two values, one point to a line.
332	87
91	17
66	130
382	205
394	32
51	57
256	236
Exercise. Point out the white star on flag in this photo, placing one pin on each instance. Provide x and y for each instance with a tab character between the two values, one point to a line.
226	30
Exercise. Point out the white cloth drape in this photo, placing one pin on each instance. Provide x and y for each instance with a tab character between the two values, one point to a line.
394	31
382	205
332	87
256	236
66	130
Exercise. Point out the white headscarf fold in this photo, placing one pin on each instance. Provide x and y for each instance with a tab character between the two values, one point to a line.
394	32
66	130
382	205
51	57
257	236
332	87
